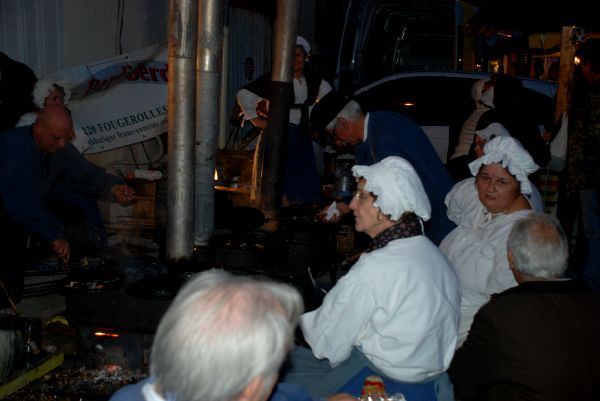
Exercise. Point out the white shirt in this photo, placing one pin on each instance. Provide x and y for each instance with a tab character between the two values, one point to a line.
399	305
248	100
477	249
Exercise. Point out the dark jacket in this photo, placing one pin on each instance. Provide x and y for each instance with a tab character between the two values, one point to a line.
537	341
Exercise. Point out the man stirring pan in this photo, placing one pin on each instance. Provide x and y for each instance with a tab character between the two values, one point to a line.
36	162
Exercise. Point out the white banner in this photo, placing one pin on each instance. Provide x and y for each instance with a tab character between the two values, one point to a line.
120	101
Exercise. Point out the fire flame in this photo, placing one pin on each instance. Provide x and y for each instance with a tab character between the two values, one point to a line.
105	334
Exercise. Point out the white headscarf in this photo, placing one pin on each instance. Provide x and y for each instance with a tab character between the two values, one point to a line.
397	186
42	89
508	152
477	93
492	130
300	41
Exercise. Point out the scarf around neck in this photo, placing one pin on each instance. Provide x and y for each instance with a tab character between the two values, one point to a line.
408	226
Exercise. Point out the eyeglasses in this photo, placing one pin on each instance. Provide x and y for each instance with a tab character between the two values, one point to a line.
498	182
360	196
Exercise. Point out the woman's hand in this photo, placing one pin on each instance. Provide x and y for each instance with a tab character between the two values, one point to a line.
342	209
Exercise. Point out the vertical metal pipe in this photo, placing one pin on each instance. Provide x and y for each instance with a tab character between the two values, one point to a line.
210	27
223	122
282	90
181	128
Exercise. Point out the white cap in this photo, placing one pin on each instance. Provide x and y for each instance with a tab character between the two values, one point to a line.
493	130
397	186
477	89
508	152
300	41
42	89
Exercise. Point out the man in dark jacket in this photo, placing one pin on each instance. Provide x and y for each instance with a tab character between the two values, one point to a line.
377	135
36	163
536	341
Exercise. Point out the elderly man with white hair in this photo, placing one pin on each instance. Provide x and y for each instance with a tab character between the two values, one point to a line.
484	210
395	313
538	340
223	338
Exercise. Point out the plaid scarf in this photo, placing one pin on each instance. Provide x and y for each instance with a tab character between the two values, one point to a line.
408	226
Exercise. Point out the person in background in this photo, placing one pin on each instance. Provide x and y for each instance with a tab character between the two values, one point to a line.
48	92
379	134
511	111
395	313
16	84
301	183
538	340
34	161
223	338
583	158
482	94
477	246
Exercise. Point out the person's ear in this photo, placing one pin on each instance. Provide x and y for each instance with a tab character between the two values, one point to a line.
511	265
342	123
258	389
252	390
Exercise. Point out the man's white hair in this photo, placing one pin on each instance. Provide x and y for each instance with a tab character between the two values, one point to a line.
351	112
539	246
220	333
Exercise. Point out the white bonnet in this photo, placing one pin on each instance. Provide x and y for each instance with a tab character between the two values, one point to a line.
397	186
300	41
487	97
480	96
492	130
477	89
508	152
42	89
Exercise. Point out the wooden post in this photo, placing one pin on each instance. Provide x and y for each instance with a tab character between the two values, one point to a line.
567	67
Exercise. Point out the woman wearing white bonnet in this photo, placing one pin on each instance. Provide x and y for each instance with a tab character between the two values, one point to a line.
484	217
482	94
47	92
395	313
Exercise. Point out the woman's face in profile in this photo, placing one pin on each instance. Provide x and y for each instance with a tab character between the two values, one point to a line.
366	215
496	187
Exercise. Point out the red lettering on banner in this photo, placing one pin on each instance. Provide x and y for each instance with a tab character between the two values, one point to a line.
141	72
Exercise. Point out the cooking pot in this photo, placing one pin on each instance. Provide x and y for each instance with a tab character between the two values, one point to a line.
91	280
12	344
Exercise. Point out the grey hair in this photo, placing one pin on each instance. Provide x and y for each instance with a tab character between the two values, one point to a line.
539	246
351	112
220	333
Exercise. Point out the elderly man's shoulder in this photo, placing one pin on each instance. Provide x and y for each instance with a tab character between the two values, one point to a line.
532	298
291	392
131	392
13	139
15	132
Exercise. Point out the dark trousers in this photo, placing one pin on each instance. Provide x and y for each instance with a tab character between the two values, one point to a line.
13	251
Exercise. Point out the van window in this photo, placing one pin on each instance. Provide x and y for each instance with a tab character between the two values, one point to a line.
399	41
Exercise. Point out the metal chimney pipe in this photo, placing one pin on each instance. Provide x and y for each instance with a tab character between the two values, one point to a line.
282	91
181	128
210	27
